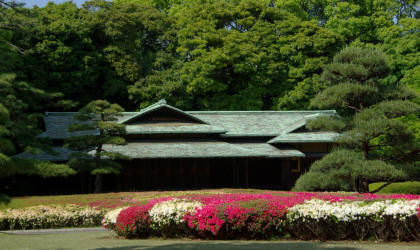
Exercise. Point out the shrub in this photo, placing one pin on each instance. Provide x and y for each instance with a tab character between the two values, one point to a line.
39	217
357	220
168	217
110	218
133	222
308	216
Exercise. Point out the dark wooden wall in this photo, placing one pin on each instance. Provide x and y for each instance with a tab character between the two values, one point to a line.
166	174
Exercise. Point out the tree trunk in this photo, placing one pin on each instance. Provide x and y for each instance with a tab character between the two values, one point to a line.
98	183
365	150
364	186
98	164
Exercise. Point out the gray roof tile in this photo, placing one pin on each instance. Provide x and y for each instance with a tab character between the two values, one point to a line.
62	154
236	123
271	151
305	137
181	149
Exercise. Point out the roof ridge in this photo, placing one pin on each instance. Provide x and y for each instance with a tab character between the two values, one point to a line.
261	111
212	111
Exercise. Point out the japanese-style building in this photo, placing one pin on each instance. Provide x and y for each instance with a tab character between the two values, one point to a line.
174	149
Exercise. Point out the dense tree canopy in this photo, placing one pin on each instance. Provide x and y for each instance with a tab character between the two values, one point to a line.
209	54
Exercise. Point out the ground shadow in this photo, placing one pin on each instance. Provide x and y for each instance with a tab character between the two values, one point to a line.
284	245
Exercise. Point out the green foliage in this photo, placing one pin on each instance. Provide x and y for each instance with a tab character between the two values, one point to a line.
236	55
401	43
15	166
345	97
356	65
22	101
341	169
4	199
356	81
371	105
99	116
325	123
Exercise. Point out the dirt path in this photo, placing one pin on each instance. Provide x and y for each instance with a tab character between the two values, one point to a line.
55	231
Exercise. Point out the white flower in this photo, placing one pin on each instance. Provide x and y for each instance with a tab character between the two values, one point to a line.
172	211
353	210
110	218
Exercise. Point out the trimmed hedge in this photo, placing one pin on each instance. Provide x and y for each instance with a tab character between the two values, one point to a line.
42	217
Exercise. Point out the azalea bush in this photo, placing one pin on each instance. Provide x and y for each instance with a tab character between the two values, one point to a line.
275	215
39	217
355	220
110	218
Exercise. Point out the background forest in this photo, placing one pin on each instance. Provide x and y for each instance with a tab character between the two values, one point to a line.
197	54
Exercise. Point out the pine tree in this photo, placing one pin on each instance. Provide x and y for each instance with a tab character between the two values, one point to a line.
98	117
381	145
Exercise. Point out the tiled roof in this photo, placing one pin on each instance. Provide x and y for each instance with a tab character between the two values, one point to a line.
174	128
278	125
235	123
271	151
257	123
155	107
57	124
306	137
62	154
181	149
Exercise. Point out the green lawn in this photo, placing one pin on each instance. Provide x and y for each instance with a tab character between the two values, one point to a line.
129	198
109	199
105	240
409	187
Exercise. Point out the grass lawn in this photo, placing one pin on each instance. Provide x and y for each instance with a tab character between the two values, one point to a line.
409	187
110	199
105	240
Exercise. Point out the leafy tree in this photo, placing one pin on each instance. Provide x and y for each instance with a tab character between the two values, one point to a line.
371	108
11	167
130	38
235	55
356	20
401	43
98	117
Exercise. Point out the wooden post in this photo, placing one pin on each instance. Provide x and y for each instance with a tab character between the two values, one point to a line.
234	172
238	179
195	173
182	173
246	173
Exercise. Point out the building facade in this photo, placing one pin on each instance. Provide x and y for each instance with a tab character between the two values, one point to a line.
169	148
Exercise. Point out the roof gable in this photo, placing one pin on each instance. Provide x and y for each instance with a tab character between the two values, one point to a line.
161	112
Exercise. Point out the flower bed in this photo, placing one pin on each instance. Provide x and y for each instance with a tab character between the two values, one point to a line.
40	217
274	215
